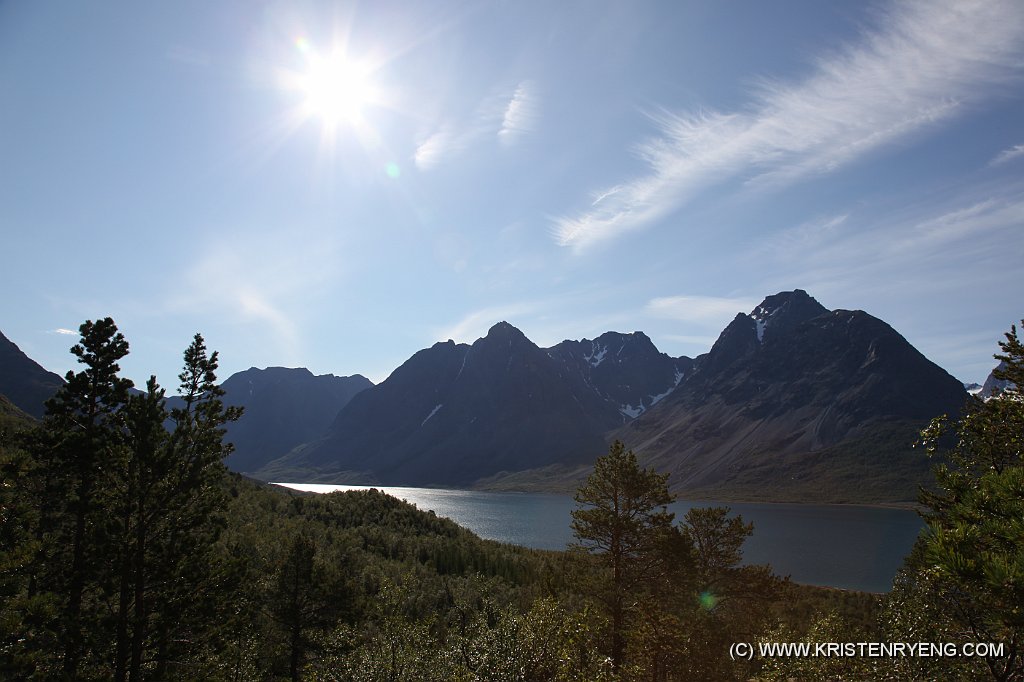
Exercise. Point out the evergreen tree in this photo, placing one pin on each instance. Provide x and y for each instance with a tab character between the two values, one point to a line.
140	511
731	599
87	414
120	520
972	551
623	521
183	495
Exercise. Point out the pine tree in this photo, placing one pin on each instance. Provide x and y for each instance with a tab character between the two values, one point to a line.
184	498
972	552
87	412
140	509
731	599
623	521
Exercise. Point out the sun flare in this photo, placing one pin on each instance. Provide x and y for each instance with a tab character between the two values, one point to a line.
336	89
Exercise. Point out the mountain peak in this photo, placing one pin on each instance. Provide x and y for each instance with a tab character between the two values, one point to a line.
796	300
503	330
785	309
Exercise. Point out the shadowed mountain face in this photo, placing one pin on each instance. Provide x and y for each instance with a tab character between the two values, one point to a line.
23	381
793	402
626	369
803	402
283	408
455	413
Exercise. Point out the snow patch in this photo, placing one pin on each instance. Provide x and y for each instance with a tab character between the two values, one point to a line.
634	412
655	399
630	411
432	413
761	315
596	355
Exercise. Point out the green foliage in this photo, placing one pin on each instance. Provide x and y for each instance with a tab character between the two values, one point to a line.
13	418
623	522
675	597
168	513
86	417
969	568
109	572
733	601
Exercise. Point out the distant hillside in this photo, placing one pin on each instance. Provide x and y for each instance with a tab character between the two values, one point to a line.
454	413
283	408
23	381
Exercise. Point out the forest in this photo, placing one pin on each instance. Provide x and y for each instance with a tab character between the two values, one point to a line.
129	552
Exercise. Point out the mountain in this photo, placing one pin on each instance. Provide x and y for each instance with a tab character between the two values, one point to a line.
626	369
794	402
12	416
798	402
23	381
283	408
993	386
456	413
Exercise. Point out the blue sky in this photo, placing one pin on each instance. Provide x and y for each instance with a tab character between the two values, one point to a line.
337	185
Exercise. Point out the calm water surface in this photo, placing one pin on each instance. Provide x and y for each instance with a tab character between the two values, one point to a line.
858	548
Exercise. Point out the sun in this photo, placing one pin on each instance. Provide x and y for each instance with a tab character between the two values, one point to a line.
337	90
333	87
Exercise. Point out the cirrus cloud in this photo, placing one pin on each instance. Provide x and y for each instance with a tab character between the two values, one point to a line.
922	65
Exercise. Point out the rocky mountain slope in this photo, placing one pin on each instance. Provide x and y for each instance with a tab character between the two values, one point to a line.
793	402
456	413
799	401
24	381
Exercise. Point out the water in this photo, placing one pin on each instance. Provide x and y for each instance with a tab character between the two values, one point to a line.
851	547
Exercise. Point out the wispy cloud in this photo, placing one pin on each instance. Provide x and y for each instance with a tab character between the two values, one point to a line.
509	115
430	152
923	66
706	311
1008	155
601	196
520	114
454	139
64	332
